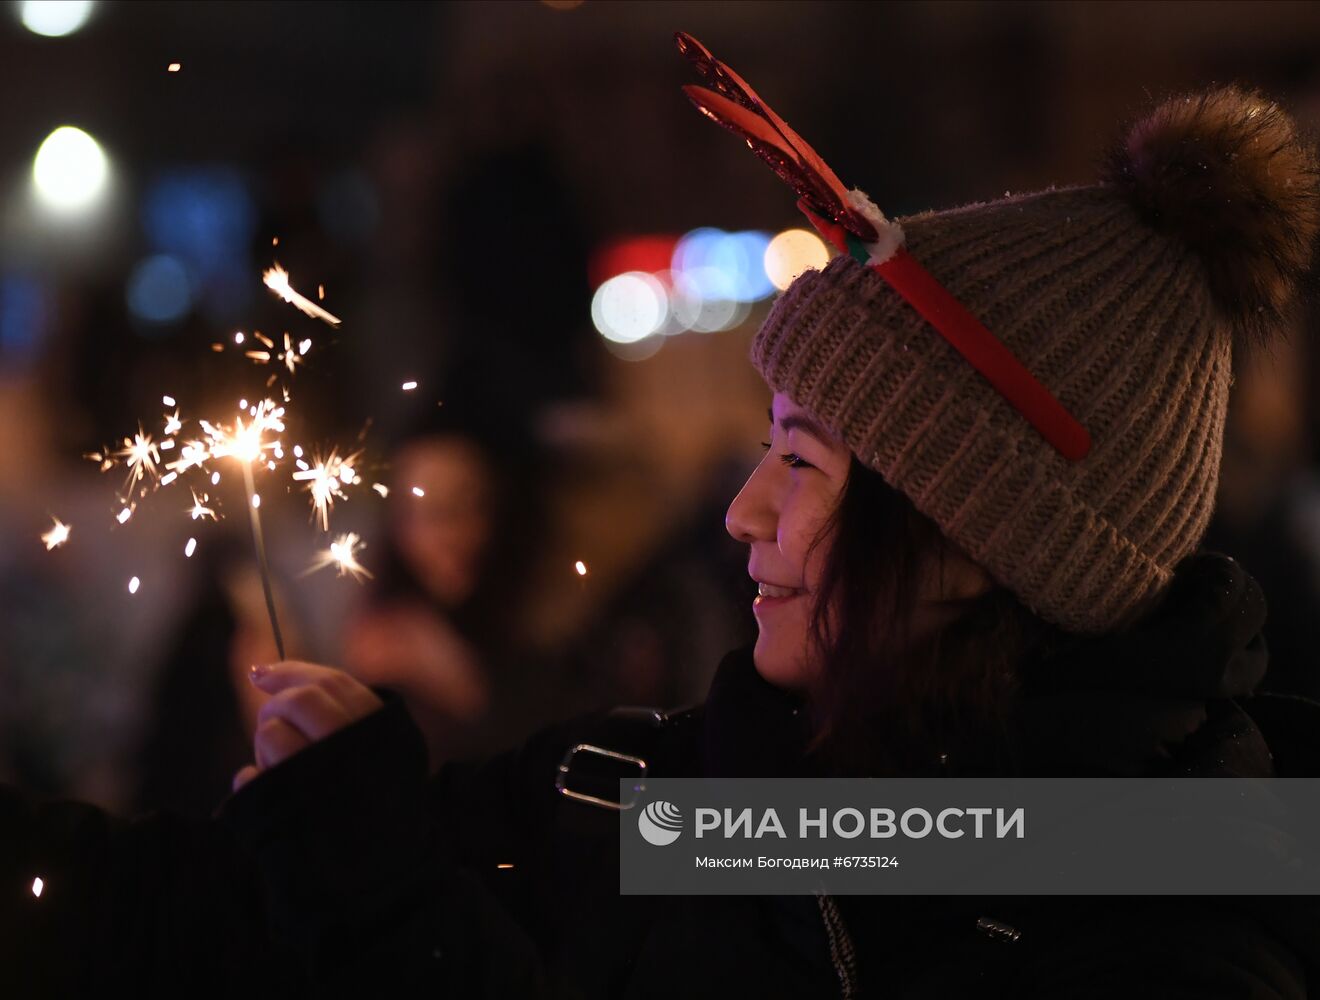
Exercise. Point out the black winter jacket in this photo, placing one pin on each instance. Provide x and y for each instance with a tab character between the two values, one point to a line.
347	870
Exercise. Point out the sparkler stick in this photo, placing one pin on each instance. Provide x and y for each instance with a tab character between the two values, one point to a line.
259	543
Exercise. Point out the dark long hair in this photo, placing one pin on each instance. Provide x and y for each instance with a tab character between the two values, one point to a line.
886	703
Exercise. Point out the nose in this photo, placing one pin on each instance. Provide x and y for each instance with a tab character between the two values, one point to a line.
752	516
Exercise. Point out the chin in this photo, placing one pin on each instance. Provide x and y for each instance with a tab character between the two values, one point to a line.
780	666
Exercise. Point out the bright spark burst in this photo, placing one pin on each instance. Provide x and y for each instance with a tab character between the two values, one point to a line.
172	425
277	280
141	456
342	554
325	481
58	534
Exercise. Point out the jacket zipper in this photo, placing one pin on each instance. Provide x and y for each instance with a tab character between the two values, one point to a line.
842	953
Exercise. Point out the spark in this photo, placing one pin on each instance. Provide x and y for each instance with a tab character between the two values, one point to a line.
190	548
305	345
408	386
190	454
320	292
133	585
37	886
256	501
581	568
238	337
277	280
418	491
168	400
172	424
124	515
199	508
58	534
325	481
141	456
174	67
168	478
215	478
291	358
381	488
342	554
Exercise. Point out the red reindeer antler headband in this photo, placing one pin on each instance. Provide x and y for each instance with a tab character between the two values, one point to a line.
856	227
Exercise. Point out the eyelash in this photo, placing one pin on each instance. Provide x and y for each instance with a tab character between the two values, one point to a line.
792	460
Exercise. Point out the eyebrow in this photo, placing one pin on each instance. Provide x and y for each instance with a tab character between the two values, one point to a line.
797	421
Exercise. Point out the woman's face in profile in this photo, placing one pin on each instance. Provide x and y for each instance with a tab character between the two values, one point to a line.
781	512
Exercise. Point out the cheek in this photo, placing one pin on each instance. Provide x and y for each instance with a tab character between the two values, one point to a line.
800	526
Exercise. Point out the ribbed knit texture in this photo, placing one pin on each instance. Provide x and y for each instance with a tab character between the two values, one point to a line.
1114	319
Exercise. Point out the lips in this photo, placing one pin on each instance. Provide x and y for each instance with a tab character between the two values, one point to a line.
764	589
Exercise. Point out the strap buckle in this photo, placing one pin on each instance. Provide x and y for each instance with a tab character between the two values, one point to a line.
604	758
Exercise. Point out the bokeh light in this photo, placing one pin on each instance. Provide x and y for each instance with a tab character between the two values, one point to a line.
629	307
791	253
54	18
69	170
160	290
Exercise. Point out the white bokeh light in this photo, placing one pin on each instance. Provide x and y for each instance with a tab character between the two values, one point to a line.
70	169
54	18
792	252
629	307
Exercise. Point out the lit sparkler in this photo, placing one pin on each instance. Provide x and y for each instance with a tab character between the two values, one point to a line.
58	534
277	280
253	440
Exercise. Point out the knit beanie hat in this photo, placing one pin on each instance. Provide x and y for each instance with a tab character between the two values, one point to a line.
1046	376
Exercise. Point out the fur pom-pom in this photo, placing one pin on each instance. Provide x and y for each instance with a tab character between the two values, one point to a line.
1226	172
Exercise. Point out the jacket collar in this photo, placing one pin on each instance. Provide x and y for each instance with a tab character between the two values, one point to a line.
1155	698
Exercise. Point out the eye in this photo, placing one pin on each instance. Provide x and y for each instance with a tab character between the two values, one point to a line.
765	445
794	461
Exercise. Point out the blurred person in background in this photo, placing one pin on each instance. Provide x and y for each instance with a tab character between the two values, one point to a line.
433	625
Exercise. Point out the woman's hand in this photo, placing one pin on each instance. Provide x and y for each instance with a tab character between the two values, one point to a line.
308	703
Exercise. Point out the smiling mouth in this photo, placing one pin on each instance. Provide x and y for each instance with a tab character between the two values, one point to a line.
771	591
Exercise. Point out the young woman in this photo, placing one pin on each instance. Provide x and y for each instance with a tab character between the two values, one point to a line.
961	571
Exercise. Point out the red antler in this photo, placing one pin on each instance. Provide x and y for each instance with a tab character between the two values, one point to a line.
825	201
738	108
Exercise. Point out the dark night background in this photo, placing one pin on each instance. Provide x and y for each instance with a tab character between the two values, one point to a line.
462	178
